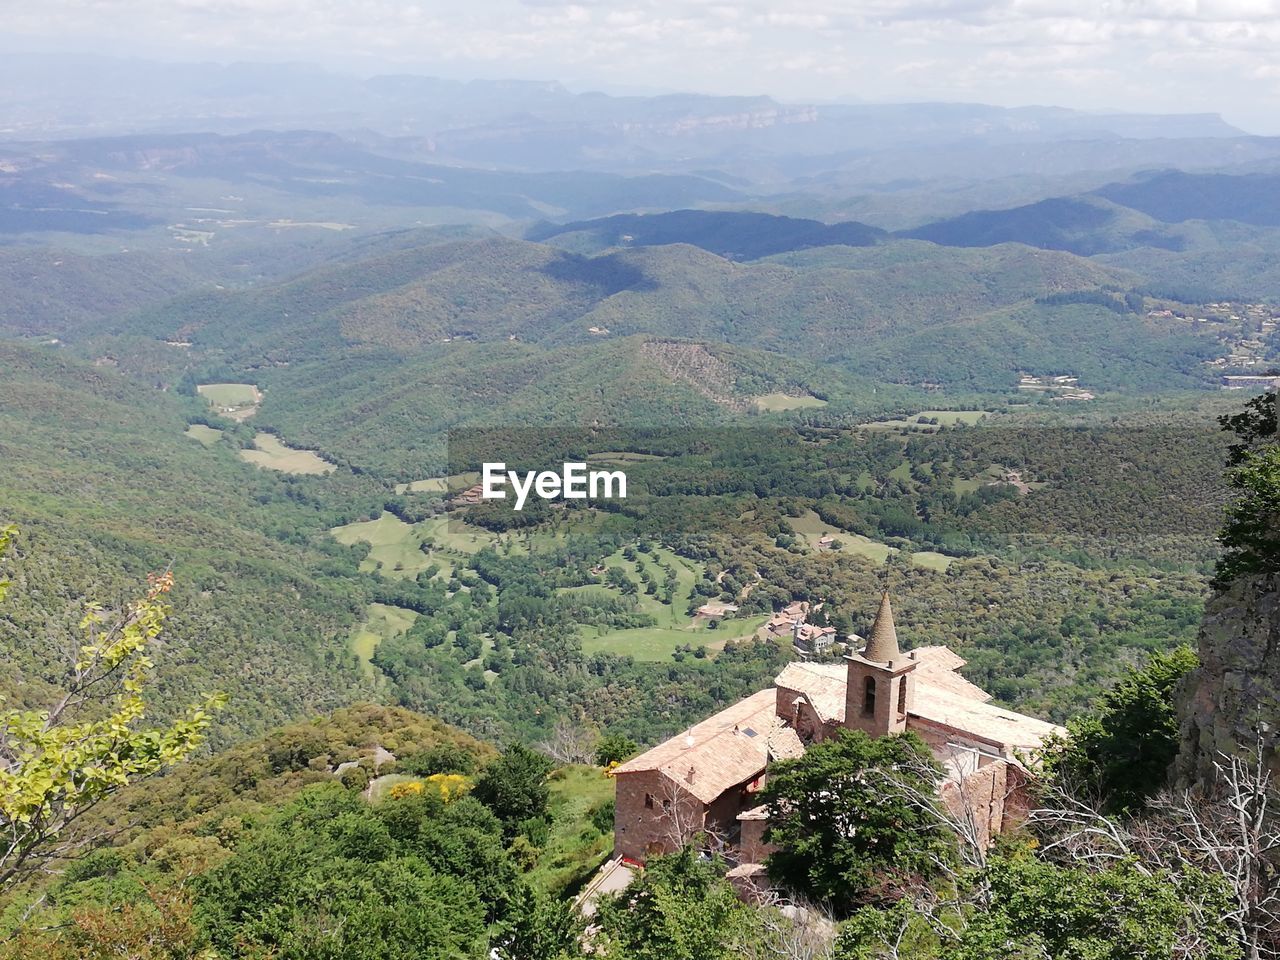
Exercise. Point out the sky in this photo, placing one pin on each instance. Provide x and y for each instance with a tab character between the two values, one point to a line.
1216	56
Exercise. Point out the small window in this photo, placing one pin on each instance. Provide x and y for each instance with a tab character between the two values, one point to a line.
869	695
902	697
648	801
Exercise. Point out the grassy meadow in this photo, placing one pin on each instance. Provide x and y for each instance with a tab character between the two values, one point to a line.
775	402
383	622
204	435
274	454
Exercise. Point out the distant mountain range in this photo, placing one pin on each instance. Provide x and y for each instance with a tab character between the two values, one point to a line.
544	127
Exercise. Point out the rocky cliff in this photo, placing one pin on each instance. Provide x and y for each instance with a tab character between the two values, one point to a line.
1236	689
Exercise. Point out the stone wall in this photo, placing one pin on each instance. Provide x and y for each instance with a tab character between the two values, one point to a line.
650	814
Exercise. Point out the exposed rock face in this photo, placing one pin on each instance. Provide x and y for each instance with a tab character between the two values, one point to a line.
1237	685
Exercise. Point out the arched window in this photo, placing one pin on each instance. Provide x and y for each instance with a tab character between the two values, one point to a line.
902	697
869	695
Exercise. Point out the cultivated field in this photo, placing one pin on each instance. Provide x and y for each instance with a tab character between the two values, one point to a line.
430	485
455	482
674	627
274	454
396	547
812	528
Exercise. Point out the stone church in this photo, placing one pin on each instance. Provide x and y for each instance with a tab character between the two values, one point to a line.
707	779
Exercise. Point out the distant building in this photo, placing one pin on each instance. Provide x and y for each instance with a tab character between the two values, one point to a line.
812	639
709	778
1267	382
783	623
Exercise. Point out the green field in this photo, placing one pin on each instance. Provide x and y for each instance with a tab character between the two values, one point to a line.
452	534
229	394
274	454
773	402
931	561
812	528
458	481
239	401
203	434
674	627
945	418
873	550
430	485
575	848
394	545
381	623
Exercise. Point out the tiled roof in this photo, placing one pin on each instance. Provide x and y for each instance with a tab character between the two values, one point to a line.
985	721
722	751
823	685
938	666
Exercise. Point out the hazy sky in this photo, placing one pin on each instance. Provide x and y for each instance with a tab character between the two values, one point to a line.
1156	55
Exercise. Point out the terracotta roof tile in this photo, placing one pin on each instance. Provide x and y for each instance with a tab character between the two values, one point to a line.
823	685
985	721
938	666
722	751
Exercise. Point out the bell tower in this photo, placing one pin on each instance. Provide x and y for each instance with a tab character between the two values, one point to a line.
880	680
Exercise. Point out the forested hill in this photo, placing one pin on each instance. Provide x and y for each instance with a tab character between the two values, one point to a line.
105	488
735	236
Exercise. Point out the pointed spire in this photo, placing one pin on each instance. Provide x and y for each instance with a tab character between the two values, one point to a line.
883	645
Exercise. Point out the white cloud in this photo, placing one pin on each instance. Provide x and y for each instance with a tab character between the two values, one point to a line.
1150	54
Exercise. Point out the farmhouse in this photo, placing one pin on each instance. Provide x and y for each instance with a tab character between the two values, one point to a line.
708	778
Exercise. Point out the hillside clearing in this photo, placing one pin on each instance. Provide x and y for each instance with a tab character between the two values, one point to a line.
945	418
395	546
238	401
202	434
774	402
382	622
275	454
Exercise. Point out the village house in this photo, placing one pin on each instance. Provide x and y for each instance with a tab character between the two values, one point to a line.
811	639
707	779
783	623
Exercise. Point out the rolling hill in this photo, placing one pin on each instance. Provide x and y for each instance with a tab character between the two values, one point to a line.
106	488
368	359
732	235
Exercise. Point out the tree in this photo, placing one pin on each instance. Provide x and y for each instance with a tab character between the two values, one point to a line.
1120	754
538	928
157	928
615	748
842	827
329	877
57	764
1226	832
681	908
514	786
1248	537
